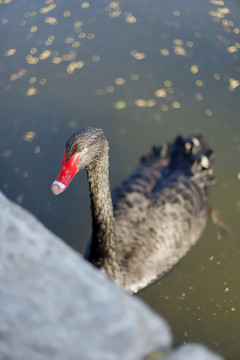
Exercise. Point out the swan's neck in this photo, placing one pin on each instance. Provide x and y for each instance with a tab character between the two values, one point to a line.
103	247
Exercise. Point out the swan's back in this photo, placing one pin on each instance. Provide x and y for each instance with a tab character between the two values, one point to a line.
160	210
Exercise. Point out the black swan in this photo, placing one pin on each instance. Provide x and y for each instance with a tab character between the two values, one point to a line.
154	218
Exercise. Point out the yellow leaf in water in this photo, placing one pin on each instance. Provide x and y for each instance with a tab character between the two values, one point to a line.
194	69
45	54
51	20
31	91
119	105
29	136
10	52
141	102
160	93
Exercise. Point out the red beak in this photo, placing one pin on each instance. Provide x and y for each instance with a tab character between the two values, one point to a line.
68	171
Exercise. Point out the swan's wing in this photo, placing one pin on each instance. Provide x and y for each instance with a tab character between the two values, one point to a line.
160	211
142	181
189	157
154	238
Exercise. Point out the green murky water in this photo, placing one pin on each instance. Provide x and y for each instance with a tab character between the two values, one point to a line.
144	71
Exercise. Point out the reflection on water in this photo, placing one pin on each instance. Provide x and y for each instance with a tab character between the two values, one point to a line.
143	71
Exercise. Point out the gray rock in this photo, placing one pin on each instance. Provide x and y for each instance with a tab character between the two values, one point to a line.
193	352
54	305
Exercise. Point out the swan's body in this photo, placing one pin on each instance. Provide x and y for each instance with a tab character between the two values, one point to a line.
154	218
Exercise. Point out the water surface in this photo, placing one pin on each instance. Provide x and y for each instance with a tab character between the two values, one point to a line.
144	71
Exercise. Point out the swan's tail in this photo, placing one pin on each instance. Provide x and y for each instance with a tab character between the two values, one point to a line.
195	155
191	156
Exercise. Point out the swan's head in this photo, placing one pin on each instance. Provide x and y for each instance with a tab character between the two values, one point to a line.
82	148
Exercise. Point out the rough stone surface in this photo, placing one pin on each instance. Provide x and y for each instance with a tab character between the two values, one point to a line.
54	305
193	352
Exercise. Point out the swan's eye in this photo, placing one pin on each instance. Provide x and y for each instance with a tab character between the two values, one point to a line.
84	150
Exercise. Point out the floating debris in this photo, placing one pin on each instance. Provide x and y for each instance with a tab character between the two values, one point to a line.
164	52
51	20
140	102
95	58
119	105
135	77
178	42
32	80
56	60
10	52
164	107
31	91
176	13
170	90
114	14
130	19
47	9
32	60
161	93
224	10
232	49
110	89
45	54
85	5
198	96
189	44
176	105
119	81
194	69
150	103
82	35
167	83
137	55
69	57
179	50
33	29
20	198
76	44
233	84
113	9
43	81
197	35
33	51
217	2
199	83
37	149
69	40
208	112
90	36
78	24
178	47
18	75
73	66
29	136
66	14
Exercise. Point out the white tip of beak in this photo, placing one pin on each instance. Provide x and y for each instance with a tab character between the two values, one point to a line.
57	187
